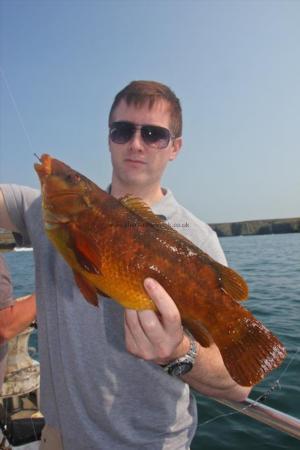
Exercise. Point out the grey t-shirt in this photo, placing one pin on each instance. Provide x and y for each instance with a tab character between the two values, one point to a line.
6	300
97	394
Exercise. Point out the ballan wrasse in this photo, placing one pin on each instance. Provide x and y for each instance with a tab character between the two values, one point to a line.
113	245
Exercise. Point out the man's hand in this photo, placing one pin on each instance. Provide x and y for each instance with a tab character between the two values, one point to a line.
159	337
153	336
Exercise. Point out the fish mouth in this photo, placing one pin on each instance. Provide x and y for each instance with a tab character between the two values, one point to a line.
66	193
44	168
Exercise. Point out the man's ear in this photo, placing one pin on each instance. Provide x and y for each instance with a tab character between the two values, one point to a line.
177	144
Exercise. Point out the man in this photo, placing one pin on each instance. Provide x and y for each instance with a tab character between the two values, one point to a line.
14	316
102	381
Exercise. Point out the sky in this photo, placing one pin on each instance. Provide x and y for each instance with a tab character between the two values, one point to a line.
235	65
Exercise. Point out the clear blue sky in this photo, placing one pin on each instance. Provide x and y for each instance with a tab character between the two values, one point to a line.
234	64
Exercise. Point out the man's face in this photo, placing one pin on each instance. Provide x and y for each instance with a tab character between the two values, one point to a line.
135	163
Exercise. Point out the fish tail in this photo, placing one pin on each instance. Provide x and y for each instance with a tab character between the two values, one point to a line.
251	355
249	350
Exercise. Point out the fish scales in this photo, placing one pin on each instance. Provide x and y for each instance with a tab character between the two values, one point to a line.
113	245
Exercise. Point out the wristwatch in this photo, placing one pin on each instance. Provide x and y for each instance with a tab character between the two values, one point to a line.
185	363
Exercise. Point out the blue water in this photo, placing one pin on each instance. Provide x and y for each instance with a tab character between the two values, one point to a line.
271	266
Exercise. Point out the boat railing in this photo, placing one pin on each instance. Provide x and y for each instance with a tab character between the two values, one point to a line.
265	414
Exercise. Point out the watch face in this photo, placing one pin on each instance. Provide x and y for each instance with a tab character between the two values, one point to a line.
180	368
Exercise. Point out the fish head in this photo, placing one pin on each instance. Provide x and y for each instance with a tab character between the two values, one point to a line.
64	191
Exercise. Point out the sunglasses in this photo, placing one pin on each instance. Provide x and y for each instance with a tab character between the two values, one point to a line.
152	135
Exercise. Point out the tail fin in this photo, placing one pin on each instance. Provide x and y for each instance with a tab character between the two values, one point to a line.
249	350
256	353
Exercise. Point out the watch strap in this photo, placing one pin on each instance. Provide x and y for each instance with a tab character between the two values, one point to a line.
184	363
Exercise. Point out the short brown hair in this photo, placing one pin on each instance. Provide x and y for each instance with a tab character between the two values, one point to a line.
141	92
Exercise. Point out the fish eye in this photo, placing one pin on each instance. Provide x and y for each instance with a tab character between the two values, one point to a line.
73	178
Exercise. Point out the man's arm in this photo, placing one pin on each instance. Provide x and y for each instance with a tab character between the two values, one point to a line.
5	221
17	317
161	339
14	318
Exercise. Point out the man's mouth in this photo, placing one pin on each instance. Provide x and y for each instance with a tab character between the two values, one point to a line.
135	161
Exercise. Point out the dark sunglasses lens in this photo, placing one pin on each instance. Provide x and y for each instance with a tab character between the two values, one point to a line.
154	136
121	132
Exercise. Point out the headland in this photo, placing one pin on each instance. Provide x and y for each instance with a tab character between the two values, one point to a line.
256	227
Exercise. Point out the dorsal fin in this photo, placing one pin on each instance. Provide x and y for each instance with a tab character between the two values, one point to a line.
229	280
143	210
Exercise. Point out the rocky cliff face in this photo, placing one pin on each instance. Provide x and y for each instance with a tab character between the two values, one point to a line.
252	227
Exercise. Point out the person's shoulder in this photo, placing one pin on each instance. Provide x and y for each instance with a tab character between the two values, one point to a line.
190	220
19	188
180	217
19	191
193	219
21	200
195	224
199	232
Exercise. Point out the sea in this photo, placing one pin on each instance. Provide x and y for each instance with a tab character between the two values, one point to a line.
271	266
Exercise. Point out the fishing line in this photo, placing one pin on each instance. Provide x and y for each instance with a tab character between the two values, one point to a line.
261	398
16	108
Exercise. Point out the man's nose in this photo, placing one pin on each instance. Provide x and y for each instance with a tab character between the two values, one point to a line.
136	142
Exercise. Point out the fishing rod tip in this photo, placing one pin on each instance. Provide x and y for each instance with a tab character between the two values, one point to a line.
37	157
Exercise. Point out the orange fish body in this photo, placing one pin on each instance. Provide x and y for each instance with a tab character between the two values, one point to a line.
113	245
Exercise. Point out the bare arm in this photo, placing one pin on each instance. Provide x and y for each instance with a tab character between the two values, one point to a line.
210	377
161	339
16	318
5	221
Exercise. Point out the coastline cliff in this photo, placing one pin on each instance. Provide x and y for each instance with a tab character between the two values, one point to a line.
256	227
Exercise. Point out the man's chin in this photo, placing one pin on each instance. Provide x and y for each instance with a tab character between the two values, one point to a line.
137	181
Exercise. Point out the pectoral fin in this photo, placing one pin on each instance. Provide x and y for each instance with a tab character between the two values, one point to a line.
85	252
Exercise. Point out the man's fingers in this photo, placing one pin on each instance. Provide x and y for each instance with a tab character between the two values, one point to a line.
144	325
154	335
170	315
136	333
151	325
129	340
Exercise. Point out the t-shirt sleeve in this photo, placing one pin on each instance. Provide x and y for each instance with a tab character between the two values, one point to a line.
19	200
6	291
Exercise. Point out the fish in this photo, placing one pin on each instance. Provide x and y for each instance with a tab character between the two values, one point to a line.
113	244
